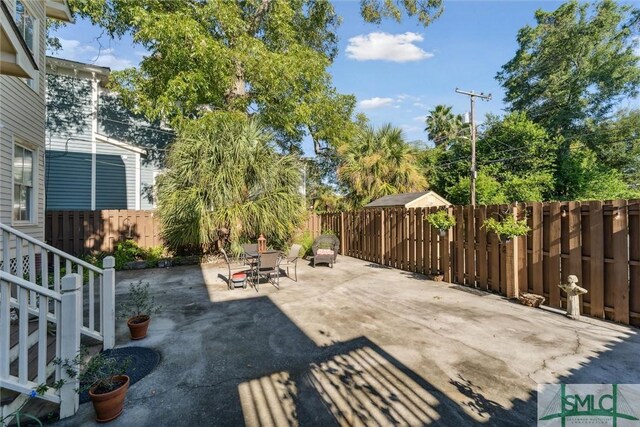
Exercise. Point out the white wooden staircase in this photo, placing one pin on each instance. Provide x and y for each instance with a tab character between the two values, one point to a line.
59	300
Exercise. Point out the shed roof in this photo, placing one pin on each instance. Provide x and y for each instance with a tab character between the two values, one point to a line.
401	200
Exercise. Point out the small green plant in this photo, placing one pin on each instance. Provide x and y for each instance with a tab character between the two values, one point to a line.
153	255
125	252
507	228
97	373
140	302
306	241
441	220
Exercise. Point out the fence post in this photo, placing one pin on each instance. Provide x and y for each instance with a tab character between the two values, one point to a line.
383	255
513	285
343	249
108	321
70	320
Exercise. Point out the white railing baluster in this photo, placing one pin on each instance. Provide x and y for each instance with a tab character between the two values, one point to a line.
56	273
56	308
19	259
23	336
5	327
32	272
68	268
92	325
42	339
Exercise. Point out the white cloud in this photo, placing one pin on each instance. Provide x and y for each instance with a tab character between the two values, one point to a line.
636	41
419	105
76	51
386	47
419	118
368	104
107	58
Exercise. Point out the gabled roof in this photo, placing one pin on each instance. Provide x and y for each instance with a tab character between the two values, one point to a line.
403	199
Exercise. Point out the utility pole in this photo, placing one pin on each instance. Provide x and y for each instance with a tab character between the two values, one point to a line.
472	95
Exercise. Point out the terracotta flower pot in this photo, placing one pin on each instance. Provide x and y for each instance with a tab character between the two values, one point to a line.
138	326
108	406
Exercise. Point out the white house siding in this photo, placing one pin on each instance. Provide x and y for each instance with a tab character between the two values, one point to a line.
22	116
147	178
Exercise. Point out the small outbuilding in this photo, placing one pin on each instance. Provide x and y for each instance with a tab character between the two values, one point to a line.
423	199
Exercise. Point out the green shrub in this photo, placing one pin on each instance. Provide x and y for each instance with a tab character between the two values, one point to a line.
126	252
153	255
306	241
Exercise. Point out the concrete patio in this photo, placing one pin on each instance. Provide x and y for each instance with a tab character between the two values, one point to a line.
358	344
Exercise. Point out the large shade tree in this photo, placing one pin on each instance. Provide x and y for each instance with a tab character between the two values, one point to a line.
260	57
224	173
378	162
578	62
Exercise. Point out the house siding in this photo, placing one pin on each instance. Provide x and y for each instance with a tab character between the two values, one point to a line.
22	117
68	142
120	183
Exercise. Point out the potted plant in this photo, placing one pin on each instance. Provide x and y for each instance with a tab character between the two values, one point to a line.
104	379
441	221
507	228
138	308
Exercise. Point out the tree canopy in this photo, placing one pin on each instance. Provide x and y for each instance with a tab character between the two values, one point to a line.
262	57
576	63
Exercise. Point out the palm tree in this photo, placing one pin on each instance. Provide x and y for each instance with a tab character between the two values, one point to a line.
442	125
224	173
378	162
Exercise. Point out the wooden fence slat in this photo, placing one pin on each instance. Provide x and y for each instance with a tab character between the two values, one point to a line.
536	266
482	261
419	240
619	276
470	253
436	253
459	244
596	259
555	244
411	239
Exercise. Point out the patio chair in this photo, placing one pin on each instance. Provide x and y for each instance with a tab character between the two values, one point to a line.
325	250
235	267
248	248
292	260
268	267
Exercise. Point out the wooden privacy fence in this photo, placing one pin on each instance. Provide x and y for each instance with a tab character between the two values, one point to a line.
81	232
599	242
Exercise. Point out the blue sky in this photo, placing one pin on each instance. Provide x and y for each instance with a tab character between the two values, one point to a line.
397	71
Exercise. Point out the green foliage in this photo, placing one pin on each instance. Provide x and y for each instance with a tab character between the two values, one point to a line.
442	125
488	191
95	373
270	57
306	241
441	220
224	173
127	251
153	255
139	301
425	11
507	228
577	62
378	162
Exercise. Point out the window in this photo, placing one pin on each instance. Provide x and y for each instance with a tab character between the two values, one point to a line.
28	29
26	24
22	184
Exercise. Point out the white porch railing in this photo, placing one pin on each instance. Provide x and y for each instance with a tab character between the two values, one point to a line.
97	320
80	303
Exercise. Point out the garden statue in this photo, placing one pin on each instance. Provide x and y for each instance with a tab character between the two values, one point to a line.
573	296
